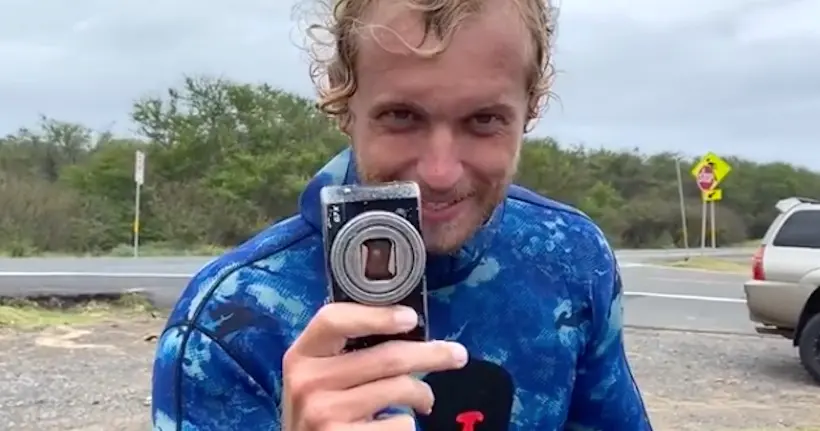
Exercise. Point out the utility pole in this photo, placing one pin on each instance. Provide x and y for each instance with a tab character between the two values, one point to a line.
683	222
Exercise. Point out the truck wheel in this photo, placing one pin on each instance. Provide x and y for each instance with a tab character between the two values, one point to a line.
809	347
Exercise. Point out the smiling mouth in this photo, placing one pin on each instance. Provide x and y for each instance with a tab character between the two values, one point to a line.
439	206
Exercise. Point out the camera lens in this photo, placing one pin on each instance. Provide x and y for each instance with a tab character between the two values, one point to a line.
378	258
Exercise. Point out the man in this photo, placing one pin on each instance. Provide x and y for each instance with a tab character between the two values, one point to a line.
524	290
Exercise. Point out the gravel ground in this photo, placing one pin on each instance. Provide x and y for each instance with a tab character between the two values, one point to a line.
98	378
722	382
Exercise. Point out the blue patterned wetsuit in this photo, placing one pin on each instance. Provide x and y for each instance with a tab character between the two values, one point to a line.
537	290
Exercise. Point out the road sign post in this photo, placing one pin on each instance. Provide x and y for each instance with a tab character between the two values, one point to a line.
139	180
704	216
714	224
709	173
712	197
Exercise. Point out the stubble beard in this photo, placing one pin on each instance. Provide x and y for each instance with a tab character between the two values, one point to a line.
448	237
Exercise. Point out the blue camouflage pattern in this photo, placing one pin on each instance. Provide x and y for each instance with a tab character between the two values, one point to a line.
537	290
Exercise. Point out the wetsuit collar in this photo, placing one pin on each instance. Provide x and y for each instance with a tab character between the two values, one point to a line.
442	270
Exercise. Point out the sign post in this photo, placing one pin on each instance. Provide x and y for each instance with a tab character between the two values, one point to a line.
709	173
711	197
139	180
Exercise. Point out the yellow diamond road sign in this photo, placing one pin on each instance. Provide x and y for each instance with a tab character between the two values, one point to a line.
720	167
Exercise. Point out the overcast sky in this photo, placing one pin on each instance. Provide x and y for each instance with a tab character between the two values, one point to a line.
732	76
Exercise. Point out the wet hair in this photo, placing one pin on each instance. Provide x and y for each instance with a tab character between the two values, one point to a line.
333	44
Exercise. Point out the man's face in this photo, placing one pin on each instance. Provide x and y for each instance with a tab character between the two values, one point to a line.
453	123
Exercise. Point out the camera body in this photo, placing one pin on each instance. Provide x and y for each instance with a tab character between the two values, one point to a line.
374	250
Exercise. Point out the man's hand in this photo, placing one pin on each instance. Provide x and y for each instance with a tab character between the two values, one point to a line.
325	390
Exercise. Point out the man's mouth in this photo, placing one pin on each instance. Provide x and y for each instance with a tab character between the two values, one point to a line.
440	210
437	206
444	203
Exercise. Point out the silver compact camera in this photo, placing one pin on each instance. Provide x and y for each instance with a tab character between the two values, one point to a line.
374	250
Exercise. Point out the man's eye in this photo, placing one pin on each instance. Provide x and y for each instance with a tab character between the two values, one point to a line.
485	118
486	124
399	115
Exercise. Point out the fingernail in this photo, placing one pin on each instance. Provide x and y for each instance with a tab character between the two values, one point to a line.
406	318
459	352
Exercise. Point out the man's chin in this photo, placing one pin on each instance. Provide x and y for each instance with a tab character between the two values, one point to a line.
448	238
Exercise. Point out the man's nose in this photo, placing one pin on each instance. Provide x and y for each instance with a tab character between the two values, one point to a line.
439	165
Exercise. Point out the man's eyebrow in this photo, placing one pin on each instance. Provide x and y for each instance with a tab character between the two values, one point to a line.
497	107
387	103
477	107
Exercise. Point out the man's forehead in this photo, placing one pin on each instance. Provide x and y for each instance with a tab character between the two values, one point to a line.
486	62
393	25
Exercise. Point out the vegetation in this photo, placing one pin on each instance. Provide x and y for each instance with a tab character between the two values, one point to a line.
225	159
47	311
712	264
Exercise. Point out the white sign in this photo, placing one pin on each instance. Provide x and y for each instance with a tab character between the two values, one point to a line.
139	168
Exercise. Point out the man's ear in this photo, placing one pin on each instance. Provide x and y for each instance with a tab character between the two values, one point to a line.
336	78
534	106
345	122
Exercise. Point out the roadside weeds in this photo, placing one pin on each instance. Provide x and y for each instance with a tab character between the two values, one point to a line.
38	312
709	264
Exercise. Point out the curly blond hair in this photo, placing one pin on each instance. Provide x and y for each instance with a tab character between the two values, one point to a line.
333	60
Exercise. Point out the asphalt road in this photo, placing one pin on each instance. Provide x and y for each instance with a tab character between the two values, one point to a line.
655	296
685	299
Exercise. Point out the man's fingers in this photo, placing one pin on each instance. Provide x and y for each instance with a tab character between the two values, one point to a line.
401	422
395	391
362	402
393	423
335	323
392	358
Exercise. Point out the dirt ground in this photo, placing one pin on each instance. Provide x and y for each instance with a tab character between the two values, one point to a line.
98	378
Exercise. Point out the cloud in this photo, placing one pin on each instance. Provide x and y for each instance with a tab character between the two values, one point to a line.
731	76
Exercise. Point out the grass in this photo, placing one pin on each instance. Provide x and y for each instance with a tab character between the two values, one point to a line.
711	264
164	249
752	243
125	250
160	250
49	311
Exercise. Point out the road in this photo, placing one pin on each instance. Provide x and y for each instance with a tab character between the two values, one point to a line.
655	296
685	299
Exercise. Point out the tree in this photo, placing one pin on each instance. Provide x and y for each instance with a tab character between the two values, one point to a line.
226	158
